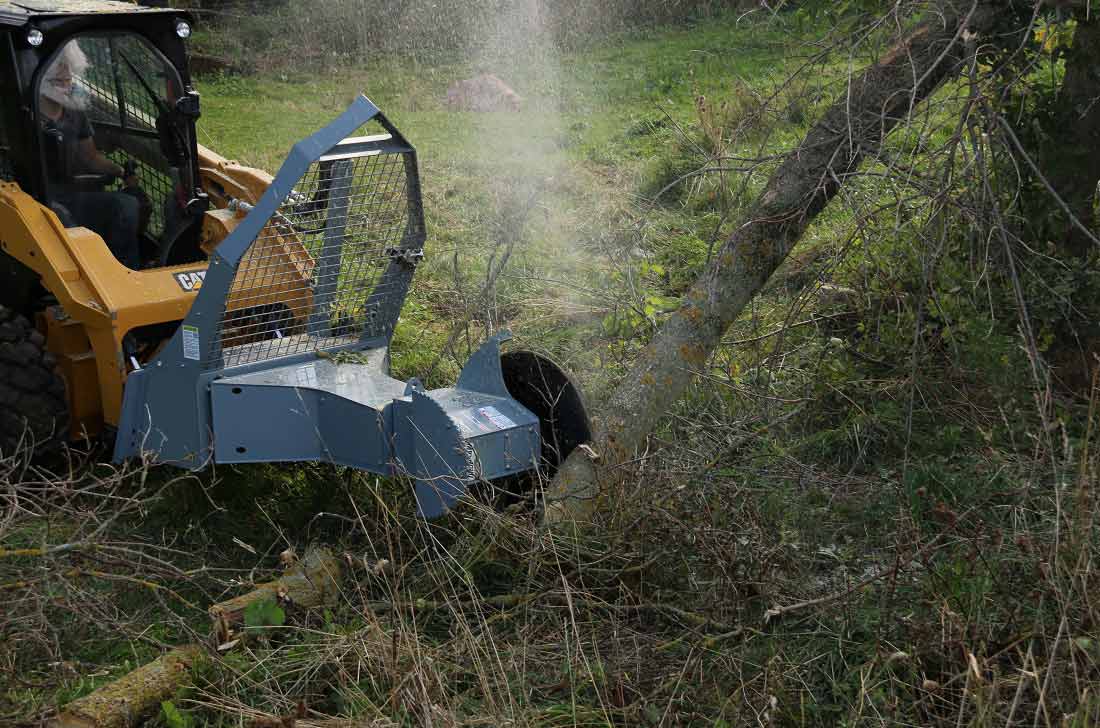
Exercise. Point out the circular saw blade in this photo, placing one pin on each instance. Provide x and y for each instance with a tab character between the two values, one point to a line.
547	391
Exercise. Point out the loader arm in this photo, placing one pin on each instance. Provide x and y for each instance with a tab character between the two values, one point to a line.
99	302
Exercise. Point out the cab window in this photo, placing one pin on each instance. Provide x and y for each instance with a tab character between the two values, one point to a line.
105	105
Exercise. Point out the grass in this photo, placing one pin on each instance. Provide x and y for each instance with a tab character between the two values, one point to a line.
933	531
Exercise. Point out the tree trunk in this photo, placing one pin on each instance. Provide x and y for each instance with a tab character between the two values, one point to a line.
1067	150
1073	136
851	130
133	697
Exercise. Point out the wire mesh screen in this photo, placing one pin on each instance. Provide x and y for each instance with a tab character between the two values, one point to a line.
314	277
128	84
98	81
156	184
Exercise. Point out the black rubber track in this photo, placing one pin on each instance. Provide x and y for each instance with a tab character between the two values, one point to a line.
33	407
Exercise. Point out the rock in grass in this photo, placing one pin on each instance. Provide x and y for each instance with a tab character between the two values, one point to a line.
482	93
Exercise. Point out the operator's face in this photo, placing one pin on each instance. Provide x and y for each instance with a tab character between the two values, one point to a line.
60	88
62	81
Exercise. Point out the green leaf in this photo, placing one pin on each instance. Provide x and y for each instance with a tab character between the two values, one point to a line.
266	613
173	718
664	303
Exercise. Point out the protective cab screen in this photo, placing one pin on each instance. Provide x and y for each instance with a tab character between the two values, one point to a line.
105	107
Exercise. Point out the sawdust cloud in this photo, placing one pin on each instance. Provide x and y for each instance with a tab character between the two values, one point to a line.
533	181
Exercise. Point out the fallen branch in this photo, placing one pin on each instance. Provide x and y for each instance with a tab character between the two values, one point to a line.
511	601
130	699
41	552
310	582
78	572
776	612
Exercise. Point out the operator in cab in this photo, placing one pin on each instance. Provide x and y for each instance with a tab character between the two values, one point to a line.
71	152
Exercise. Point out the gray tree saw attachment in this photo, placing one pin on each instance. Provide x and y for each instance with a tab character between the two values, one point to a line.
284	355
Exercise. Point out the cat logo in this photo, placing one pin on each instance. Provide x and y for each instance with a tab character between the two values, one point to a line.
191	280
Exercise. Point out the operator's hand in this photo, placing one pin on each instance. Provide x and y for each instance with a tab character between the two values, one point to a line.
129	174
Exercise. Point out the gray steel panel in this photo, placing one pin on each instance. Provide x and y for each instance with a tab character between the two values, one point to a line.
504	435
362	382
264	423
482	371
506	453
166	416
431	451
253	425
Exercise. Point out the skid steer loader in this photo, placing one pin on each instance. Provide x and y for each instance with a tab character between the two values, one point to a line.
202	311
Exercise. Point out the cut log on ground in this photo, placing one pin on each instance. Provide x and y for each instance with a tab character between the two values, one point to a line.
310	582
852	130
132	698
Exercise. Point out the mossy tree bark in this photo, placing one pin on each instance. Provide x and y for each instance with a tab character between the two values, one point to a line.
853	129
133	697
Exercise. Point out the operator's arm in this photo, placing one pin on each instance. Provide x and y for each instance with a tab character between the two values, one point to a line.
94	160
91	158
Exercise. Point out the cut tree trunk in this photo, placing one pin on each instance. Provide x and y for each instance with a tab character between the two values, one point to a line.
310	582
853	129
133	697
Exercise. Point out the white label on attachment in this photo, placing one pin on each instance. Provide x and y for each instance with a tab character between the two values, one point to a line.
191	349
470	425
497	417
307	376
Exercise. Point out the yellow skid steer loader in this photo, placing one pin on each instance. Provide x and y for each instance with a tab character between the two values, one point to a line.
194	310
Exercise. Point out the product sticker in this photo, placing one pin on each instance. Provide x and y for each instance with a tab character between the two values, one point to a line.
496	417
307	376
471	426
191	349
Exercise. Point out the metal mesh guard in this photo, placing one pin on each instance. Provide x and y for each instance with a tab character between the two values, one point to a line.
304	283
